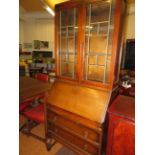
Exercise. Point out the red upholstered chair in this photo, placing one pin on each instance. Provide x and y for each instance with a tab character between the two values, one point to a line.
36	114
22	107
42	77
34	117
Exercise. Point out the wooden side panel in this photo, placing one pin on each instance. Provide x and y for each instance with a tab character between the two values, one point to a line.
121	137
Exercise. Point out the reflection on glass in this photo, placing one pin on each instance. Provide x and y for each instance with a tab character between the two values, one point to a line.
66	69
95	72
68	42
98	39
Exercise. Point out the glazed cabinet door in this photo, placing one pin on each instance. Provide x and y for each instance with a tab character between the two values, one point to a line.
67	28
99	28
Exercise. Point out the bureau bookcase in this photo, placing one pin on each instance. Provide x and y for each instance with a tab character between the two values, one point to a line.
88	39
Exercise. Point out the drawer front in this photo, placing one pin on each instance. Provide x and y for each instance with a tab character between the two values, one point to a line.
72	140
73	126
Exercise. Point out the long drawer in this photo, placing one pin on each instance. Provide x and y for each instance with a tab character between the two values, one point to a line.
74	127
83	146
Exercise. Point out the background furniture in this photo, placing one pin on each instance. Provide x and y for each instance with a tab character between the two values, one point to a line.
29	90
36	62
128	60
127	91
35	70
87	42
43	59
121	129
23	106
22	71
42	77
128	77
25	59
34	117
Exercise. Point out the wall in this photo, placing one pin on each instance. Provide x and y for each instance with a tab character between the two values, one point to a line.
130	22
21	25
42	30
35	26
129	31
21	31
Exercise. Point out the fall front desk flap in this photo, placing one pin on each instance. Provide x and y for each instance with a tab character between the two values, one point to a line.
86	102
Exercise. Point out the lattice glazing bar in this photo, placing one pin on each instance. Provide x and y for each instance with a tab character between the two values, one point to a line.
63	53
73	73
99	54
88	41
99	22
71	26
96	65
105	69
60	45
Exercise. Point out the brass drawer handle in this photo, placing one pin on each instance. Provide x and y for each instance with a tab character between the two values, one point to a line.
56	130
54	119
85	147
85	134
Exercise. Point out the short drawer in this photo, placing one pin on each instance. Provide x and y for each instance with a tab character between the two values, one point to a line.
75	127
72	140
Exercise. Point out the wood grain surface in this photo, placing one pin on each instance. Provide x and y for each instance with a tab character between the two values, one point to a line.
86	102
29	88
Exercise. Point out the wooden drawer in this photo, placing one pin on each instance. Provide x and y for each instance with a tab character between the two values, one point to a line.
73	127
73	141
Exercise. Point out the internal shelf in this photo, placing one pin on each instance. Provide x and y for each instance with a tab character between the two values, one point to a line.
92	23
98	53
68	53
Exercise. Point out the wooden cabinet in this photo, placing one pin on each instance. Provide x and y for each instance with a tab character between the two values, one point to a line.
87	45
75	116
121	130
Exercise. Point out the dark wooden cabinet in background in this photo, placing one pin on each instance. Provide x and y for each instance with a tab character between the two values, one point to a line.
121	129
88	35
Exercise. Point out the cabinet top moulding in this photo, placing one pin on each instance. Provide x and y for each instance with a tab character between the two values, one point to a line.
75	2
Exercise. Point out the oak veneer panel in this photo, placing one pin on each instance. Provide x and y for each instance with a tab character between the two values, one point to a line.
85	102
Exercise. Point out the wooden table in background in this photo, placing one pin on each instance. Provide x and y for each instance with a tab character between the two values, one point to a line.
30	88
